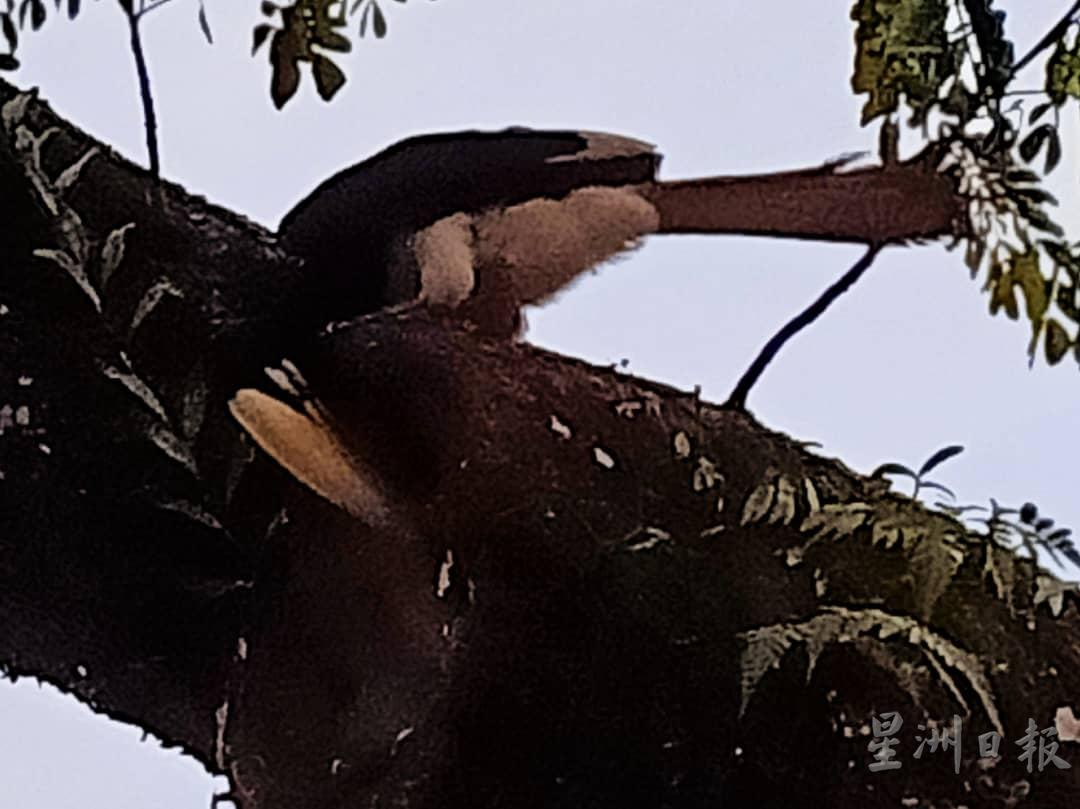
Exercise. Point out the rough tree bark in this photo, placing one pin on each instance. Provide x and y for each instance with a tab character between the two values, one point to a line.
600	592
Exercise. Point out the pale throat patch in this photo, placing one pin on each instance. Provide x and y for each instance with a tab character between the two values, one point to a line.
542	245
444	253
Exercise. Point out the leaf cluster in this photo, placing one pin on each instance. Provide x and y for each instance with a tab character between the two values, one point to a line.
950	63
29	11
1028	530
919	476
303	32
1025	529
306	29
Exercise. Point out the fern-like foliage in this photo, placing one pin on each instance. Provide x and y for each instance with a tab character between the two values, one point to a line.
766	647
935	548
780	498
1017	541
1023	529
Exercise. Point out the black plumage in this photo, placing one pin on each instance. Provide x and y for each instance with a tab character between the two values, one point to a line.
354	230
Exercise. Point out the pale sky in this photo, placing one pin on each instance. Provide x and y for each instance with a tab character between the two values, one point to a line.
906	362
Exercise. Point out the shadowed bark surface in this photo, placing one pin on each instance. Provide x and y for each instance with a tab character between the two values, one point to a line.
586	576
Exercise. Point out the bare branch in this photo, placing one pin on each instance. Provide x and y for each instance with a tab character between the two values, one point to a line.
737	399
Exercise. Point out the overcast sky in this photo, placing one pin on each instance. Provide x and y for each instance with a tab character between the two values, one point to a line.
906	362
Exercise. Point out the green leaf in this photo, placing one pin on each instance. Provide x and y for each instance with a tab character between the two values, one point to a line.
1029	146
1057	341
112	252
1034	215
1021	176
893	469
1060	255
993	139
1034	195
259	35
204	24
939	458
286	75
1039	111
1063	72
364	19
1037	218
11	34
1026	274
1053	151
328	77
901	48
378	21
1067	301
929	484
319	29
1003	296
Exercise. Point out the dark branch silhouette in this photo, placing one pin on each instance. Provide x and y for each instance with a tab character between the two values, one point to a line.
145	91
1052	36
737	399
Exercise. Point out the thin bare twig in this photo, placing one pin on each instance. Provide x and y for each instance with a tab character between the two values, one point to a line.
1052	36
737	399
134	15
149	118
149	5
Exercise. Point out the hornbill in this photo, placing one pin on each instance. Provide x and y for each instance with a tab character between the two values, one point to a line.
483	223
505	219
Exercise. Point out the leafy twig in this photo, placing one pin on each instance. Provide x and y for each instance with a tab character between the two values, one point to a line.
931	463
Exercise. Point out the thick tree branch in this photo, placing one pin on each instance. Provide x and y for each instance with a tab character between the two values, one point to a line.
584	579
